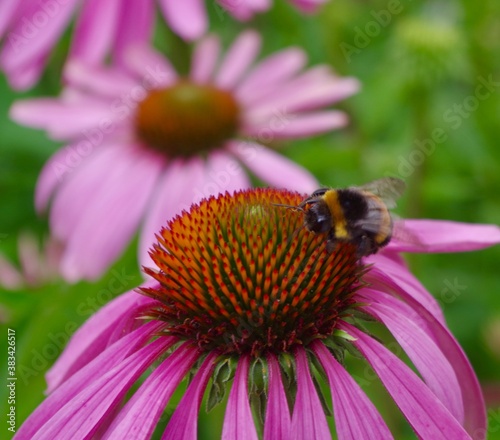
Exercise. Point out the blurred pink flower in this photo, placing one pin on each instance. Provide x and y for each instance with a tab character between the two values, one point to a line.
143	142
31	28
39	265
238	300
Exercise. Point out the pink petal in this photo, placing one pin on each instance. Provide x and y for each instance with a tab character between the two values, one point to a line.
35	33
9	13
238	420
224	174
278	423
63	120
302	125
204	59
139	417
474	410
150	68
187	18
308	6
95	30
308	419
10	278
273	168
30	258
104	326
112	217
184	422
386	271
274	69
239	57
187	178
444	236
425	413
421	349
106	361
82	416
136	23
26	75
356	417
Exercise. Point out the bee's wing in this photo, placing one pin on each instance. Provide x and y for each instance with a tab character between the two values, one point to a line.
389	189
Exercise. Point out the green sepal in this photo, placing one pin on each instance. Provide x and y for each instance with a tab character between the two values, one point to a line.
223	372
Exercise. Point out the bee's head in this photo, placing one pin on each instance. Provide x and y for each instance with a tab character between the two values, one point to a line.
317	217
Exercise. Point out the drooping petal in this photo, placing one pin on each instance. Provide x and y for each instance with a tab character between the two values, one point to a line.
188	179
273	168
184	422
238	420
444	236
96	243
308	419
278	422
95	30
387	271
82	416
138	418
474	409
239	57
356	418
187	18
10	278
106	361
424	411
421	349
103	327
204	60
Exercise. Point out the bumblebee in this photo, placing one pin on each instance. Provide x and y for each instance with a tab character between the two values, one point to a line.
357	214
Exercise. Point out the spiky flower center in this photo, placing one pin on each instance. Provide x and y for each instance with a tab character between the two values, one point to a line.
187	118
238	274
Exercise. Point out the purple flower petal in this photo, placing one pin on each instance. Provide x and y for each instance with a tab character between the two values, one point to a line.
386	272
187	18
84	414
121	202
109	359
101	330
139	417
204	60
95	30
309	6
421	349
188	179
273	168
444	236
149	67
225	174
423	410
184	422
303	125
278	423
308	419
238	420
356	417
273	70
239	57
474	409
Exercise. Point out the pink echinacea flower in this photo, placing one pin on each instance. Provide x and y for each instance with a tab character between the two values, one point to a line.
29	29
144	142
245	311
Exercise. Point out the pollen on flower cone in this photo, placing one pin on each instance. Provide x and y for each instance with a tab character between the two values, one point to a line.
239	274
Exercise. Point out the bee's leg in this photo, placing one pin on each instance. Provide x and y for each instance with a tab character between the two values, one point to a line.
331	242
365	246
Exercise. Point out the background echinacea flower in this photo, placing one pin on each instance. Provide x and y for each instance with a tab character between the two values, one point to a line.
38	264
143	142
31	28
246	311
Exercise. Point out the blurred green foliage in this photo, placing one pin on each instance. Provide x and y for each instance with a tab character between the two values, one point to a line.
421	114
